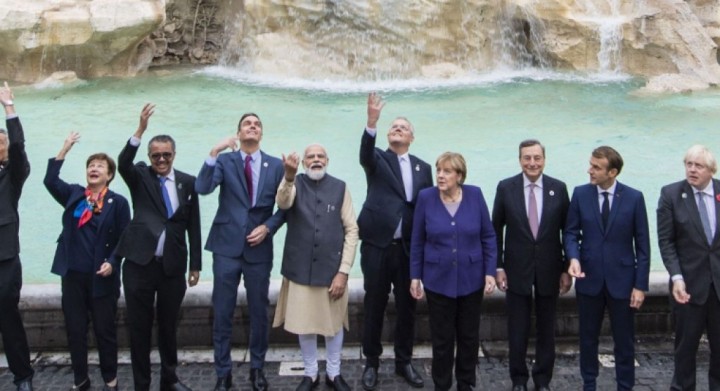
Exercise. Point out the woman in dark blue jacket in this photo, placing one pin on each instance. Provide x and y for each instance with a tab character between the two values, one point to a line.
93	220
453	255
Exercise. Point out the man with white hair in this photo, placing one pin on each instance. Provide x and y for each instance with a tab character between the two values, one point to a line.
319	251
687	227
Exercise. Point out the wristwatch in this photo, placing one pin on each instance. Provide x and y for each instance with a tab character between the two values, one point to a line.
8	103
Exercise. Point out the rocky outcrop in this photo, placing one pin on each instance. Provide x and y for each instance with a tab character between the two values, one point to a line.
90	37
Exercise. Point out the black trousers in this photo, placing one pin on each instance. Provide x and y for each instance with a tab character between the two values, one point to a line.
384	268
79	308
691	321
143	285
519	309
591	311
454	321
11	325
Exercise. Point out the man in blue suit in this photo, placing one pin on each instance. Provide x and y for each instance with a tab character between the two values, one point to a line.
607	241
241	241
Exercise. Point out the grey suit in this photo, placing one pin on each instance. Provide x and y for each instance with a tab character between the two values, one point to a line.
686	252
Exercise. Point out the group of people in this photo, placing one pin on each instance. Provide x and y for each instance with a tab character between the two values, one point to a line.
418	240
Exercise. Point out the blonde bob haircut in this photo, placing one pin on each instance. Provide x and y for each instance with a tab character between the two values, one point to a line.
703	155
456	162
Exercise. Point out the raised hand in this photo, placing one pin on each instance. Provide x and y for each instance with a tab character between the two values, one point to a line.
147	111
229	142
374	107
290	163
71	139
6	95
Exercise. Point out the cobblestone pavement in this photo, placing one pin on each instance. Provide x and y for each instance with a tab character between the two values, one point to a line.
653	372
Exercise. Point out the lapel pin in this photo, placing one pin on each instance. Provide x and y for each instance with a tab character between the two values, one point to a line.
417	167
717	197
110	201
552	193
265	164
683	195
180	186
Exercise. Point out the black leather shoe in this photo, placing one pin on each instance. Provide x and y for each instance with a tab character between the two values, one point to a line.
411	376
543	388
176	387
308	384
257	379
25	385
519	387
223	383
338	383
84	386
369	378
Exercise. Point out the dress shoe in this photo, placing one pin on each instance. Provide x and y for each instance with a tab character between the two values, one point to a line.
542	388
223	383
407	372
176	387
110	388
369	378
84	386
257	379
25	385
519	387
338	383
307	383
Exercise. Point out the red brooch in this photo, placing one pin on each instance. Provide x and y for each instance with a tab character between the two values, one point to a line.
717	197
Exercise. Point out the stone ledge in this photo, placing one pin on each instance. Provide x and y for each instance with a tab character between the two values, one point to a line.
42	314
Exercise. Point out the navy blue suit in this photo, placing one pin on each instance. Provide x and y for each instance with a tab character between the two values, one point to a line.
232	258
85	295
615	259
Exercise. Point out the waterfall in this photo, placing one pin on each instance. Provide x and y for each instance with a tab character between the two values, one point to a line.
606	14
519	44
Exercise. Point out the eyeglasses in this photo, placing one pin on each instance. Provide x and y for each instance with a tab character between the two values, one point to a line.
164	155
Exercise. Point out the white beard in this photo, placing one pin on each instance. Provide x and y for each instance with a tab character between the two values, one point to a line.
315	174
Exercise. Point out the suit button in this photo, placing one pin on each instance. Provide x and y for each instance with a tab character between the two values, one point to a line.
107	245
453	223
314	259
454	250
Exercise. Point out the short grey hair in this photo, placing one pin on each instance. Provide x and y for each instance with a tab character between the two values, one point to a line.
702	154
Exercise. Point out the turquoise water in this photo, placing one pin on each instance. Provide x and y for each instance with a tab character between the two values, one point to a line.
483	118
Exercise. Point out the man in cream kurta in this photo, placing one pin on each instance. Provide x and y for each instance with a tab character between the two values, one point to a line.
319	251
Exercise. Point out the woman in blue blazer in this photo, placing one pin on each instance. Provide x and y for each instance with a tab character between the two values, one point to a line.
93	220
453	255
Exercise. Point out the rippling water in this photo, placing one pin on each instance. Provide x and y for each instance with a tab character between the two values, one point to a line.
482	116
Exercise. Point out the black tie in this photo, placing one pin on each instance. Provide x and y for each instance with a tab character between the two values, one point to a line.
605	209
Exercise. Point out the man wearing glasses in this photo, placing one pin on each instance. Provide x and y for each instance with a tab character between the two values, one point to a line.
165	210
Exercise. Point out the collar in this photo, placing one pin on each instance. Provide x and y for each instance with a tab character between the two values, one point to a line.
707	190
253	156
610	190
170	176
405	155
527	182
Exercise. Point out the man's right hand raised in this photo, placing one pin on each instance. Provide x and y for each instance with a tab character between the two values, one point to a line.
374	107
290	163
147	111
229	142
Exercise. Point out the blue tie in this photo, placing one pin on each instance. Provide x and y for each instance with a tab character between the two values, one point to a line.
166	197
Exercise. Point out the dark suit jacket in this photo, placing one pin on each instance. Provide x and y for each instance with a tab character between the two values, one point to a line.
111	222
12	179
140	239
527	260
618	256
386	203
235	217
452	255
683	246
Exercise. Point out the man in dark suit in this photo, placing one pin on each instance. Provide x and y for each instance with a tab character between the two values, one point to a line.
14	170
607	242
687	223
529	214
394	178
154	245
241	241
